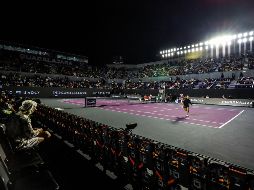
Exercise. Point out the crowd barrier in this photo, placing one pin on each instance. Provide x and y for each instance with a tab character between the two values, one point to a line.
224	102
57	92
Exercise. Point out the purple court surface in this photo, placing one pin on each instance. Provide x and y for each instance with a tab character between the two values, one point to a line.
222	132
215	117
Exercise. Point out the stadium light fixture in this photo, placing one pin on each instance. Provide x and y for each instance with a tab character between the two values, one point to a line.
188	47
201	44
189	50
184	47
163	55
200	48
206	47
185	51
251	39
223	43
192	50
250	33
160	52
244	40
239	35
177	49
192	45
233	37
174	49
240	41
172	54
207	43
245	34
181	52
196	45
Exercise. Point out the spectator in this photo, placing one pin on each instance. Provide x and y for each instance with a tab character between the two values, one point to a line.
20	130
241	75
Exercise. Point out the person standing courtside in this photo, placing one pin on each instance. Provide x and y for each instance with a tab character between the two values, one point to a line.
186	105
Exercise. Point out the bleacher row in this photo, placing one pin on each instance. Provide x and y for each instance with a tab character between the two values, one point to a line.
21	80
26	62
142	163
23	170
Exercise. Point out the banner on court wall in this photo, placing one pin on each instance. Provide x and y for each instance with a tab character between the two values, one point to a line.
55	92
221	101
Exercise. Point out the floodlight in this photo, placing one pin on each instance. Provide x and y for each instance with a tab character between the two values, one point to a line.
211	46
201	43
200	48
177	49
250	33
229	43
185	51
181	48
244	40
245	34
240	41
188	47
240	35
174	49
192	50
181	52
196	49
168	50
206	47
196	45
192	45
163	55
223	43
189	50
207	42
234	37
171	50
172	54
184	47
160	52
177	53
251	39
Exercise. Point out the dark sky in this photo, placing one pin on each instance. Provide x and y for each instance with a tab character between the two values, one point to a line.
137	30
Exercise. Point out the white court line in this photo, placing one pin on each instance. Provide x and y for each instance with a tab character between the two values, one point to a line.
231	119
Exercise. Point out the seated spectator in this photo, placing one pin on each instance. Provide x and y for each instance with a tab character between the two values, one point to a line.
6	109
20	130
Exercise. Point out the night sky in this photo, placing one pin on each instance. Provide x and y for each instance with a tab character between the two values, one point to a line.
136	30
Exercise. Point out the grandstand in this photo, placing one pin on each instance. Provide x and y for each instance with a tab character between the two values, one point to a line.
88	109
